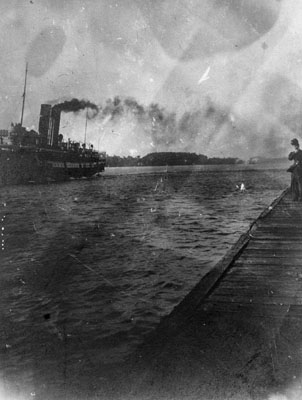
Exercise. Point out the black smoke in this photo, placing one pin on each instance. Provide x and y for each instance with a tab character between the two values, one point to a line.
113	108
153	128
164	130
76	105
118	108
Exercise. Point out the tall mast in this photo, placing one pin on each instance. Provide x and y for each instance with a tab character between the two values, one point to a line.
86	126
24	93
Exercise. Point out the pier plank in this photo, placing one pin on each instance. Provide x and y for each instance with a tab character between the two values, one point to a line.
265	311
272	244
274	236
268	270
270	260
269	253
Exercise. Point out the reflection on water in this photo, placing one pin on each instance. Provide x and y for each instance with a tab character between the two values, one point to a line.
88	268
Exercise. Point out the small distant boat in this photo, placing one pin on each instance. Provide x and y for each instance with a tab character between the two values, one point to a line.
41	157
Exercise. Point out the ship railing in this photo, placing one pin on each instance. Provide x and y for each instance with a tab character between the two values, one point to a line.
5	147
17	147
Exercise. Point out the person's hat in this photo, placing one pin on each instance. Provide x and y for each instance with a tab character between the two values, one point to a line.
295	142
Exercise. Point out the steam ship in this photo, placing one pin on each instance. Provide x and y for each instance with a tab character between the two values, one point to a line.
43	156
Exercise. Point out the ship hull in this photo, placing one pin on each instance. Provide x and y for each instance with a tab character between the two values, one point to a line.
25	165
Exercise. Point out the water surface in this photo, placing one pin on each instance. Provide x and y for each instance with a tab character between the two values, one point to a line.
89	267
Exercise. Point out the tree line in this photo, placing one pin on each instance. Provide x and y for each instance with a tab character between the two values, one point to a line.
168	158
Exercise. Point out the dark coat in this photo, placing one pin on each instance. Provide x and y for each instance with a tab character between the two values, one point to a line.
296	156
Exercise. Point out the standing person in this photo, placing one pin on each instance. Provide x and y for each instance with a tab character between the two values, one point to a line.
296	171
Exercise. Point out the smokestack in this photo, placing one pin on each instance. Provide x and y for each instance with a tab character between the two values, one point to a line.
54	127
44	123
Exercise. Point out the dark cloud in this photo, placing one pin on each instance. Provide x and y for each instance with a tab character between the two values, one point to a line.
44	49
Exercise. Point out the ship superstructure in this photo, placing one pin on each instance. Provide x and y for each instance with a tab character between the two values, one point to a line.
30	156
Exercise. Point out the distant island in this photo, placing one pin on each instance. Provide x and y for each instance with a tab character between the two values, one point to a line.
169	158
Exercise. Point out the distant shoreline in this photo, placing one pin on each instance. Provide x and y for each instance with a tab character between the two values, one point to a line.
170	159
162	159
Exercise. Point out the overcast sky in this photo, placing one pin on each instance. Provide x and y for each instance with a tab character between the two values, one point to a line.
230	70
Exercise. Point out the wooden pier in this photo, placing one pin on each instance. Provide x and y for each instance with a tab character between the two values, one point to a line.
238	334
